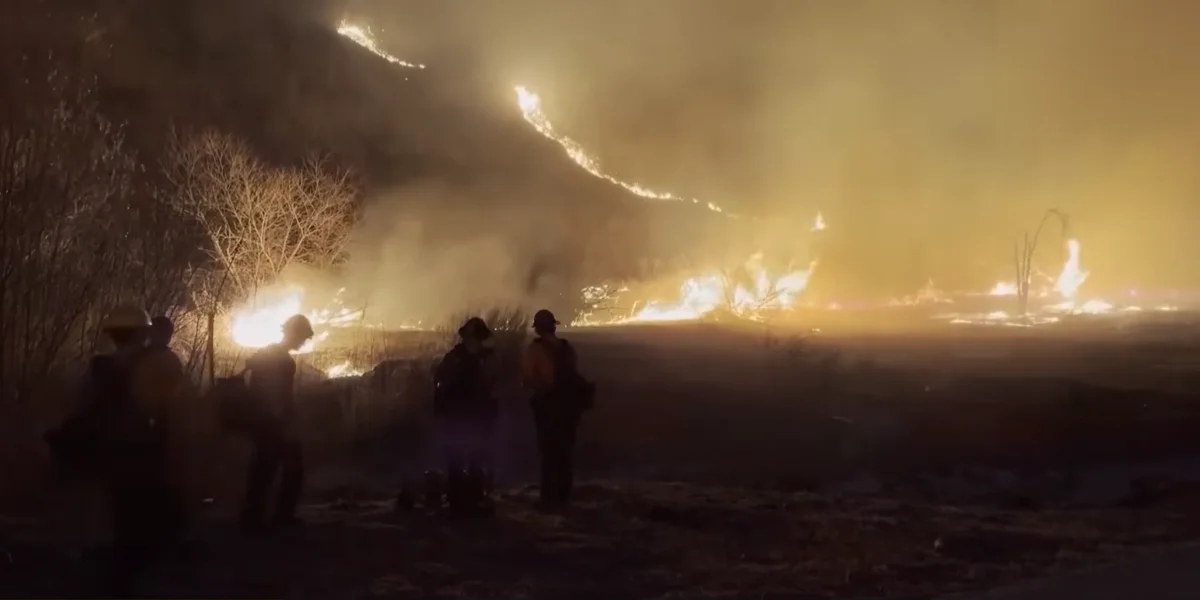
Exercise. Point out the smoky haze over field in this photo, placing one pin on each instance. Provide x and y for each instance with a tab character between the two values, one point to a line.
931	133
432	249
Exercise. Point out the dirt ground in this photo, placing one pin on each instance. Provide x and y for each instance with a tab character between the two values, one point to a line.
636	540
767	439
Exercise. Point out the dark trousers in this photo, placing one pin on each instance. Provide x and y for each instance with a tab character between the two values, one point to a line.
556	430
466	446
274	455
147	516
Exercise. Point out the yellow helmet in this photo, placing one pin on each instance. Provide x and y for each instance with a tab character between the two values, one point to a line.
126	317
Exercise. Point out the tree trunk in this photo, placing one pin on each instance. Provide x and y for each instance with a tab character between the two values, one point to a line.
210	350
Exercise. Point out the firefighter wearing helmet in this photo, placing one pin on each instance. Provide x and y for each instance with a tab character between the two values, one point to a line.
559	397
466	408
272	377
123	435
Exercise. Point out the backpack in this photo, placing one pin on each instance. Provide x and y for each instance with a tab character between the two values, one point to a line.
461	387
446	382
568	381
240	411
107	425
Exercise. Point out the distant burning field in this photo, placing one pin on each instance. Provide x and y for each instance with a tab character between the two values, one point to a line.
751	297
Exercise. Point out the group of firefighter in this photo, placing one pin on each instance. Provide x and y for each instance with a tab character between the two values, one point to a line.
130	424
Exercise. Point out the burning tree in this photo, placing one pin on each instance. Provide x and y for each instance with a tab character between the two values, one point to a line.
260	219
1023	257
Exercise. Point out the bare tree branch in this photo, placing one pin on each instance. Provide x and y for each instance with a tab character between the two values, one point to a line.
259	220
64	182
1024	254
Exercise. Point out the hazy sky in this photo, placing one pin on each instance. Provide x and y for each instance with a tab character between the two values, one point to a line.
930	132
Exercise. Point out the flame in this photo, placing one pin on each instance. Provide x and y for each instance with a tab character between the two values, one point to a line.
260	323
363	37
758	293
1066	286
342	370
704	294
1071	276
749	294
531	108
1000	317
1003	288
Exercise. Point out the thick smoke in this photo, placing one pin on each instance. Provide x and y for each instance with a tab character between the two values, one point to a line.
932	133
431	250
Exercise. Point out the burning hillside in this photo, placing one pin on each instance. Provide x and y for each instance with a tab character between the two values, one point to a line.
751	291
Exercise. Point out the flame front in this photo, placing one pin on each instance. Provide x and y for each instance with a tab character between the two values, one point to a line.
759	293
1066	286
363	37
702	294
260	323
531	108
749	294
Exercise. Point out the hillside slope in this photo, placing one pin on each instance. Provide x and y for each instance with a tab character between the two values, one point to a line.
293	86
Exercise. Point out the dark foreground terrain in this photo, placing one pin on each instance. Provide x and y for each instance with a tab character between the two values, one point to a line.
832	465
626	541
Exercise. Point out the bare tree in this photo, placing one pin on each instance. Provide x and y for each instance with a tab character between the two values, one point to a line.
1023	257
64	175
260	219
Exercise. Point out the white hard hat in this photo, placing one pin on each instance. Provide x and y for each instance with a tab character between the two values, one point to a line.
127	317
